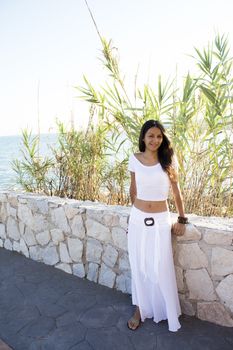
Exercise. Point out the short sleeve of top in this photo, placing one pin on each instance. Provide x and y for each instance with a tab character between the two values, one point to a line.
131	165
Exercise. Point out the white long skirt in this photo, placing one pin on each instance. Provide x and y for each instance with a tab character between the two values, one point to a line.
154	287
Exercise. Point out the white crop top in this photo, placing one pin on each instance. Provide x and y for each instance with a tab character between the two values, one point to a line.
152	182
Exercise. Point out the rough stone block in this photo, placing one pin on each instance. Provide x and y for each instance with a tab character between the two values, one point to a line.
179	278
75	249
13	199
39	205
3	212
98	231
64	267
77	227
3	197
12	211
110	256
123	283
186	306
16	247
221	261
96	213
78	270
22	199
124	221
200	285
25	215
39	222
50	255
110	218
43	238
23	247
225	291
57	235
36	253
21	228
94	250
8	244
64	255
59	219
119	238
2	231
214	312
190	256
29	237
124	262
93	270
218	237
71	211
12	229
107	276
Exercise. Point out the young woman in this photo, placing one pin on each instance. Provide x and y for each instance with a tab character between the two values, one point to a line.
153	170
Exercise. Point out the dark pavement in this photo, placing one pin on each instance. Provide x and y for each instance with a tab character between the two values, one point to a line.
43	308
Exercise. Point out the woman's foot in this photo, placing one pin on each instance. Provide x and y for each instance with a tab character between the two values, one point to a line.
135	321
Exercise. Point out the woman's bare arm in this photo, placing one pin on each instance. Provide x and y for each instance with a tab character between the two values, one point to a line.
133	188
178	229
178	198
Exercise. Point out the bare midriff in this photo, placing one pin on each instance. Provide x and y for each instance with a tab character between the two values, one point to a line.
151	206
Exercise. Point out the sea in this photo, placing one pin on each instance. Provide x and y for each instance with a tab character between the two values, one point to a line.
10	149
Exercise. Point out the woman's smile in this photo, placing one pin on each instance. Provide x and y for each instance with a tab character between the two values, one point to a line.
153	145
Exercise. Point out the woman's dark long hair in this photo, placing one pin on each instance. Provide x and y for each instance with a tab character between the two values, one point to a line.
165	151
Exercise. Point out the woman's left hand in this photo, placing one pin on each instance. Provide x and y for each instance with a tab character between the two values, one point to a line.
178	229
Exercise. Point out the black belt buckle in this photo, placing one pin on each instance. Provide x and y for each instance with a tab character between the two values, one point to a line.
149	221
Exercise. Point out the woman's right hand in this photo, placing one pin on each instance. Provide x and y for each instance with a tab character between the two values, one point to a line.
178	229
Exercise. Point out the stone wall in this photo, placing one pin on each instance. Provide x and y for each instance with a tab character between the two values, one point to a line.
89	240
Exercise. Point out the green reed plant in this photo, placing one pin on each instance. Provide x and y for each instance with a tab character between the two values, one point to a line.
198	117
80	162
216	86
115	180
82	166
75	169
32	170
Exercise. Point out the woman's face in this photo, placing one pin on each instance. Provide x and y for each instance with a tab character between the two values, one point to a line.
153	139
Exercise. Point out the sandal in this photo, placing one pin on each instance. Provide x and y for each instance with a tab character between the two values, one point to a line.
135	322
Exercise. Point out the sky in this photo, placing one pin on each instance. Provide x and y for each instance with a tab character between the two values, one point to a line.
48	45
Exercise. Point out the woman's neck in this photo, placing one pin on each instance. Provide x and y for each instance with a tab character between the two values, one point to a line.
150	155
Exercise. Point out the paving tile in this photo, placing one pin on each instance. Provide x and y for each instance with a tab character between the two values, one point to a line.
175	341
51	310
108	338
202	342
42	308
77	302
99	317
20	342
229	340
68	318
39	327
63	338
82	346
